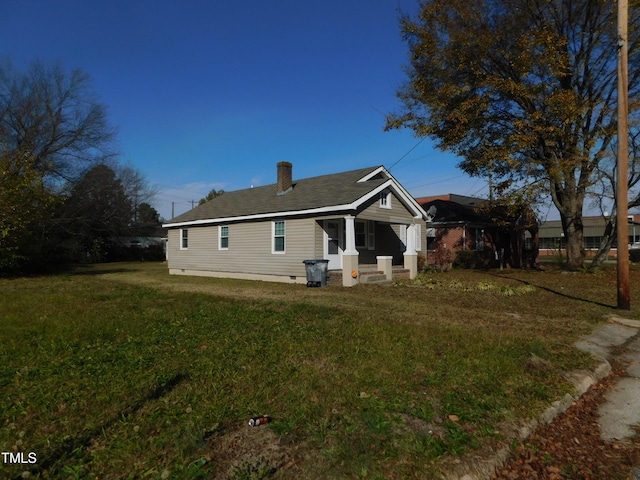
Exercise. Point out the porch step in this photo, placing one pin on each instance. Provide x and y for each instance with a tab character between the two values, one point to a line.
373	277
369	276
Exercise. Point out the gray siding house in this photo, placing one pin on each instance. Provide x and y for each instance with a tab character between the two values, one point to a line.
354	219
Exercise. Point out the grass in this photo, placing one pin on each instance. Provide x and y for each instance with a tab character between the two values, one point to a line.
121	371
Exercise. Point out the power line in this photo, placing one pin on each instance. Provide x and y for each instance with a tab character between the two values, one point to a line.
473	186
437	181
410	150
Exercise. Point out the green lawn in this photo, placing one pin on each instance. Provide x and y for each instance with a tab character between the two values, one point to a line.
121	371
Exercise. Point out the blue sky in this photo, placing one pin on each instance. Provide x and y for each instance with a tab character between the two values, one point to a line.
212	94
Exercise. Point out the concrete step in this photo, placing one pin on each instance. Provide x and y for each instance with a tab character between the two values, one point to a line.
373	278
384	283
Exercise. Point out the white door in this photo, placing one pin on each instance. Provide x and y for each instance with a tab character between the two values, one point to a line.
333	244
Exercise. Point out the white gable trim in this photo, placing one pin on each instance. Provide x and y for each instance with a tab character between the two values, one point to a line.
419	212
408	201
370	175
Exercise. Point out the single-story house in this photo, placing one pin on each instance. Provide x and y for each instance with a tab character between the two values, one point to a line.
352	219
497	235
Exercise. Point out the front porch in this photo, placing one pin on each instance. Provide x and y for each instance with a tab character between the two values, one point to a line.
365	251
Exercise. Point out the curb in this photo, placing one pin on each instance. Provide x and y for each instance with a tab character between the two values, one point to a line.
582	380
484	468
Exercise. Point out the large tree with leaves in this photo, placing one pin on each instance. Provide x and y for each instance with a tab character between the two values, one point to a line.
523	91
213	193
25	203
96	212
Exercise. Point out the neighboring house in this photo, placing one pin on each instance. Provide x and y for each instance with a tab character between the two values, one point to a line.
458	222
265	233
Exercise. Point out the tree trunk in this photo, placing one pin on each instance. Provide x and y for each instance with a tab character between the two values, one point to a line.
606	243
535	251
573	235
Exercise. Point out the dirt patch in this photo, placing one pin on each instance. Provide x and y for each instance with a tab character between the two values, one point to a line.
254	452
409	423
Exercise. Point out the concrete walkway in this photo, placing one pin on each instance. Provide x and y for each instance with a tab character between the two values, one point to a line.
619	339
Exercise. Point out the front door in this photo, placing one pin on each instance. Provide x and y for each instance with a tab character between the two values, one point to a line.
333	245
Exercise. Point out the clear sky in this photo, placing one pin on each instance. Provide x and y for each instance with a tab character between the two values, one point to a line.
212	94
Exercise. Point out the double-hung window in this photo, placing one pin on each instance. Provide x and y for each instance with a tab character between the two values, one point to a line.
279	232
223	237
365	234
184	239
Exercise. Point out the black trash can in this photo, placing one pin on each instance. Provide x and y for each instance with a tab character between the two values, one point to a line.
316	272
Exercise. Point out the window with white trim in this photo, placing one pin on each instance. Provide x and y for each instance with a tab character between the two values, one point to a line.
223	237
184	239
279	233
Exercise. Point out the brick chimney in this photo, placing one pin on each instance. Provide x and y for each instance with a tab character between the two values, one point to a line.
285	178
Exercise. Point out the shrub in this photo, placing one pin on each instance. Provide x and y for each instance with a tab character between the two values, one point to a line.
442	258
466	259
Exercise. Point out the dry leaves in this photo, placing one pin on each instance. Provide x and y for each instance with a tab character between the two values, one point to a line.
570	447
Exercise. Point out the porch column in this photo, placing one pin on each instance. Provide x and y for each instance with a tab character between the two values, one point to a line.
410	254
350	254
385	265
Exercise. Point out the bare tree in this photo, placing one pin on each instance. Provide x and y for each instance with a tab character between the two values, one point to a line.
54	117
136	187
604	188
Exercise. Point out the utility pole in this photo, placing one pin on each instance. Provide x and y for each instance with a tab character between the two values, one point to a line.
624	295
173	208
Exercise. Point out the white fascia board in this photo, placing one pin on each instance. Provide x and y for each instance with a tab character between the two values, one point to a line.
418	210
407	199
373	174
260	216
399	189
372	193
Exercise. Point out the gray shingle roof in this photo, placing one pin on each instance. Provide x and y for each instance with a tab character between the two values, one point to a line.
307	194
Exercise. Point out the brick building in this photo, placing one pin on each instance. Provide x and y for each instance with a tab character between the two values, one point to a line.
458	223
